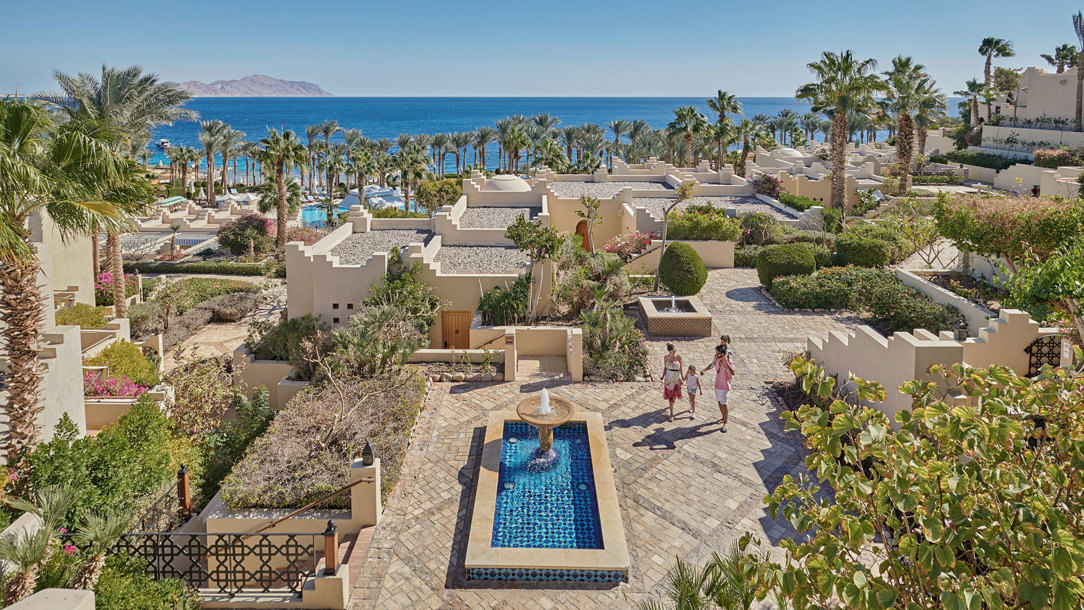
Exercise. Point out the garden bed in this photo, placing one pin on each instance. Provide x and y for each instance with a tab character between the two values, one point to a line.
962	284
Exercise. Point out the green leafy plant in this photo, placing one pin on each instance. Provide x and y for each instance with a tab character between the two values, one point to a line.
500	307
798	203
209	267
81	315
784	259
126	359
951	505
540	243
982	159
613	348
863	251
250	234
126	583
282	341
704	223
681	269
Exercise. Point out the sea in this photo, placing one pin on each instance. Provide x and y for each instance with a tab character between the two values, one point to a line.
387	117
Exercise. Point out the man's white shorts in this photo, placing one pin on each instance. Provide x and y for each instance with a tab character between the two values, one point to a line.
720	395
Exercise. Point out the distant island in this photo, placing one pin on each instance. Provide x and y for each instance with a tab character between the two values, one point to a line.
256	85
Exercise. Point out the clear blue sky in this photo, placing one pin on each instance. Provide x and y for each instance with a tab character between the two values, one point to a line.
514	48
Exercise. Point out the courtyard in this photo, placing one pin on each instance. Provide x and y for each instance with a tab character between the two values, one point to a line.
686	489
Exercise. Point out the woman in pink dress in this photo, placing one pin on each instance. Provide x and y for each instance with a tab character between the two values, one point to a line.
671	376
724	372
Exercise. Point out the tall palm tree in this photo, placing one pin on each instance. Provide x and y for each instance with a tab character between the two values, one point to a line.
688	122
1078	28
64	172
353	139
412	163
930	109
992	47
569	136
723	103
722	135
482	139
618	127
460	141
842	84
810	123
145	156
282	151
210	137
747	132
1064	56
972	90
906	81
230	139
545	121
439	151
312	132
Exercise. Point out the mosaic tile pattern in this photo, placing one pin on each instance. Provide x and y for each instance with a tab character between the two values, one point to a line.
533	575
555	508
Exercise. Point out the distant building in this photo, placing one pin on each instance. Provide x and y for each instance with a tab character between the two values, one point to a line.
1045	100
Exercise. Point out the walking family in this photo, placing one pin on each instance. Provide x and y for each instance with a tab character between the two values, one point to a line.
673	377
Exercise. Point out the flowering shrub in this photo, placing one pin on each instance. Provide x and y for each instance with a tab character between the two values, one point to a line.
766	184
103	288
308	235
1053	158
704	223
251	230
629	245
126	360
887	303
94	384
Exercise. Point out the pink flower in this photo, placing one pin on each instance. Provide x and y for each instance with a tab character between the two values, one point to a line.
69	548
62	530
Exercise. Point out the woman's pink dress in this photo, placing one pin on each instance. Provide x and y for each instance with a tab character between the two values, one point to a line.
671	388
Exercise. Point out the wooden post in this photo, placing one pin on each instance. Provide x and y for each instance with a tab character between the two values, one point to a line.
184	491
331	549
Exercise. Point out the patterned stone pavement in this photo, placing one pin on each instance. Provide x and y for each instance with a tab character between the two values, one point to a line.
686	488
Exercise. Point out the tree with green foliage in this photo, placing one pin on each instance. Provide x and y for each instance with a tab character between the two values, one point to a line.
688	122
282	151
965	504
991	48
682	193
540	243
1064	56
432	194
1058	277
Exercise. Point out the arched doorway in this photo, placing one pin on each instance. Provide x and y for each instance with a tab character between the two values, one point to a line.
581	230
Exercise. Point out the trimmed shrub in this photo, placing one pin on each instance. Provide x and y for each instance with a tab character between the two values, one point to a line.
832	218
125	582
126	359
215	267
681	270
982	159
81	315
1053	158
798	203
862	251
759	228
886	231
822	254
703	223
784	259
937	179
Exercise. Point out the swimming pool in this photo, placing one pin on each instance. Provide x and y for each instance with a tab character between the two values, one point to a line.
554	508
316	215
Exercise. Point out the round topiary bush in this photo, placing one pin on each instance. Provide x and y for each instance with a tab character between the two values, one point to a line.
784	259
681	270
862	251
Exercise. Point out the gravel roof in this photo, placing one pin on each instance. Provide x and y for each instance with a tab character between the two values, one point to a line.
358	247
495	217
604	190
481	259
657	205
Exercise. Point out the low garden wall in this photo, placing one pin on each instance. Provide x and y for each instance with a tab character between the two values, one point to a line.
102	411
272	374
715	254
977	317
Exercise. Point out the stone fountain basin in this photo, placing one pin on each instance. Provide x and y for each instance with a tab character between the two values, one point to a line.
561	411
694	319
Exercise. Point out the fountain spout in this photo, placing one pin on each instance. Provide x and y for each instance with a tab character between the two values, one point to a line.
544	407
545	413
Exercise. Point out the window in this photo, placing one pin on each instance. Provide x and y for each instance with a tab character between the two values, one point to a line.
334	305
334	320
349	305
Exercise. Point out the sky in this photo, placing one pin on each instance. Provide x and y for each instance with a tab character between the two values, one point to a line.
515	48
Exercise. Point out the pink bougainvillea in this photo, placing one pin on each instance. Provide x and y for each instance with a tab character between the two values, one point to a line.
629	245
116	387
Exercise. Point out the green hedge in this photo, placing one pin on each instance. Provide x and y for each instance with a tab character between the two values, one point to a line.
126	359
784	259
681	269
217	267
746	256
81	315
983	159
937	179
862	251
703	223
798	203
888	304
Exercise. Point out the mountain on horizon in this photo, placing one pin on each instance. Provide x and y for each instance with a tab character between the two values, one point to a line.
255	85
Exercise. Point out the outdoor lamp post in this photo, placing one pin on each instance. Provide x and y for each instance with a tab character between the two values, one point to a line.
367	455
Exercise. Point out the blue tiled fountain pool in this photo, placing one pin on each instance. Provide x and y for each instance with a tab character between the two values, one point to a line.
551	508
316	215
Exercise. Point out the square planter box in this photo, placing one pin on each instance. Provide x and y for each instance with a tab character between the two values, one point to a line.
692	320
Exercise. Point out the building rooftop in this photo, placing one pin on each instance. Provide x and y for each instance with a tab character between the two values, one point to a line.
657	205
359	247
468	260
604	190
495	217
507	183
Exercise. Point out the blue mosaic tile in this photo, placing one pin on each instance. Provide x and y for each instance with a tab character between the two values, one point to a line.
555	508
521	575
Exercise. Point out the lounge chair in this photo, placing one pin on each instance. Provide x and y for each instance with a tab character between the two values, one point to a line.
233	191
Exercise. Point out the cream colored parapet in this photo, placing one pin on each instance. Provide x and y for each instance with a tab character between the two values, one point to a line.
904	356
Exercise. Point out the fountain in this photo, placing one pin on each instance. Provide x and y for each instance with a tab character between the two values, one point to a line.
675	316
546	505
539	411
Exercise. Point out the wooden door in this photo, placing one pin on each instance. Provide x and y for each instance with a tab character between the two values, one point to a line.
456	329
581	230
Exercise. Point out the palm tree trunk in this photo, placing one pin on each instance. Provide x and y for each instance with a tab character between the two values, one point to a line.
95	255
905	148
1079	94
22	311
838	139
116	267
89	572
986	81
21	585
280	226
210	177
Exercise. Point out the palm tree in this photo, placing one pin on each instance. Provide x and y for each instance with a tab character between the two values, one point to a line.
843	84
569	136
688	122
972	89
311	133
438	150
283	151
1078	28
906	80
929	110
27	552
228	143
1065	55
145	156
210	138
102	532
545	121
618	127
990	48
723	103
747	132
411	163
722	135
460	141
482	139
810	123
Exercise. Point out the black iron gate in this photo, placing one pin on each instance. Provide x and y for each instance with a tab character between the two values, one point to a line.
1043	351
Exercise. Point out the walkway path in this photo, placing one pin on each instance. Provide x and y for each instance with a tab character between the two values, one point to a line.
686	488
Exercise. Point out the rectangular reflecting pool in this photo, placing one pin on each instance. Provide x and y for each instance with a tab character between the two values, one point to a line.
551	508
558	523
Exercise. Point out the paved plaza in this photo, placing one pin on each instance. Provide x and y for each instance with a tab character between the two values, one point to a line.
686	489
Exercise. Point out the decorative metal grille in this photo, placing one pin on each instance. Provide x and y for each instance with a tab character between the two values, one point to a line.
163	515
1042	351
230	563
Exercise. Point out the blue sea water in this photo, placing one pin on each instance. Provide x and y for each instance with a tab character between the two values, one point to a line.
387	117
555	508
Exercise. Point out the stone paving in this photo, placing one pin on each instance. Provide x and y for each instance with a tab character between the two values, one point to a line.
686	489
